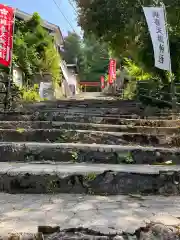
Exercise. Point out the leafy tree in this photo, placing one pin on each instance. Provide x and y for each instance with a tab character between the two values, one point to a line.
34	50
123	26
50	62
72	48
136	75
95	58
91	56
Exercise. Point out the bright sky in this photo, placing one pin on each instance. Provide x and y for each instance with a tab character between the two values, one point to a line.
49	11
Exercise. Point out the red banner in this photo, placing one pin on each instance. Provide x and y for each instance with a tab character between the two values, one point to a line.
102	82
112	71
6	34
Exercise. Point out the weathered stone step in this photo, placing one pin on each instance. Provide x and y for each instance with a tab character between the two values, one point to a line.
133	127
124	124
96	153
81	103
51	115
89	118
152	122
74	112
90	217
82	110
88	178
101	110
87	136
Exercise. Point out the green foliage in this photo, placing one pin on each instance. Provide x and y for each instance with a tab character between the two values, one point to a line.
130	90
34	50
31	94
91	56
122	25
50	63
90	176
135	74
144	86
24	53
20	130
74	156
72	48
96	58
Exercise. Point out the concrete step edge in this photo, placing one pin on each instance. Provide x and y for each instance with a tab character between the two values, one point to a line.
89	179
97	132
100	125
82	168
82	146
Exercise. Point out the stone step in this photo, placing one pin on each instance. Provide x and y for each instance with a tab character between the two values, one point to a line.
130	122
95	153
88	136
92	110
133	126
89	179
85	217
112	112
81	103
77	109
89	118
108	110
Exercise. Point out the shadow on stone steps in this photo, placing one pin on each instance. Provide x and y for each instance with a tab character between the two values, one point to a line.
89	137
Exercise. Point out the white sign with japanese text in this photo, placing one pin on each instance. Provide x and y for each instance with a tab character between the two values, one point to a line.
155	18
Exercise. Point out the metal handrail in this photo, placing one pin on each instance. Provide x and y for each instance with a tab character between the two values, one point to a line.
160	92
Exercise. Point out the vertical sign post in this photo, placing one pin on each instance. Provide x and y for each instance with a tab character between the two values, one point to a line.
157	24
7	17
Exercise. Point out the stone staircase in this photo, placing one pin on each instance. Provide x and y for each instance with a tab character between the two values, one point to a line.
91	147
84	151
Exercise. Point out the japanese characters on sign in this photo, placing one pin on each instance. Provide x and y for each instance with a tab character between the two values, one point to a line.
6	34
102	82
112	70
157	28
160	36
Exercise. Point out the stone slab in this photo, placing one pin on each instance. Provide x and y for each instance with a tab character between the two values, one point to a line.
81	152
88	136
111	111
84	103
128	125
56	116
89	179
107	214
94	153
87	118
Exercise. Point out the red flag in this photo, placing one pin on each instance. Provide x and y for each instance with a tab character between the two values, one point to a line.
112	70
102	82
6	34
